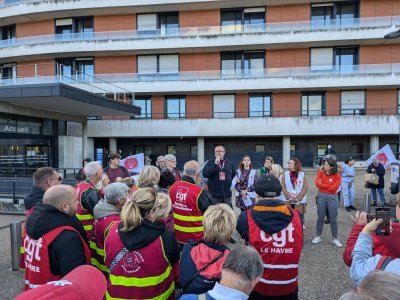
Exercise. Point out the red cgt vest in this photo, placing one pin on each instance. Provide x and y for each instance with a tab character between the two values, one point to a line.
82	214
36	257
100	230
187	216
281	255
141	274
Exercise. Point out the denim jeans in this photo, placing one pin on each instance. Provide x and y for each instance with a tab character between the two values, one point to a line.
380	192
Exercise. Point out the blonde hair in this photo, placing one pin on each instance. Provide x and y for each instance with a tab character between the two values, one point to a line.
149	176
142	203
164	205
219	223
276	170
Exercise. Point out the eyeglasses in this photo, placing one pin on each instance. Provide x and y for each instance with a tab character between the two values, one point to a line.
59	179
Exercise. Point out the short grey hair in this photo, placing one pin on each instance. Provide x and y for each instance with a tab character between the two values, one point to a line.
246	262
91	168
191	168
170	157
114	192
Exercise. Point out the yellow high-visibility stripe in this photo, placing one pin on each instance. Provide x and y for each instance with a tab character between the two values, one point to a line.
88	227
188	218
84	217
99	251
140	282
163	296
22	250
188	229
98	265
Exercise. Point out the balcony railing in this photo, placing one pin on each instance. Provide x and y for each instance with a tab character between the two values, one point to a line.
267	28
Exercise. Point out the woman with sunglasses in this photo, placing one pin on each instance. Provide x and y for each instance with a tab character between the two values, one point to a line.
140	253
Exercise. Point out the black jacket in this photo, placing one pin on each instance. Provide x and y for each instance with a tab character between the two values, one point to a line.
205	199
380	171
219	188
269	221
66	252
34	197
90	198
146	233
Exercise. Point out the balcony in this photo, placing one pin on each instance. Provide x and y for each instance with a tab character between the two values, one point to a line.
345	77
269	35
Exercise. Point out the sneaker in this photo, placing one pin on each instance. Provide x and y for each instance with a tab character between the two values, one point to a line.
348	208
316	240
327	221
337	243
373	204
304	227
352	207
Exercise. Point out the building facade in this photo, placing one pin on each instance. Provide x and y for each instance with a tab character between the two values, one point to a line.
281	78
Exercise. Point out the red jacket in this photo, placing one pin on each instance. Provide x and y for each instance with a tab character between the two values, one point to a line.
328	184
383	245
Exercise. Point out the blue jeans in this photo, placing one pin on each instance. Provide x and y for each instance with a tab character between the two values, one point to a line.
380	192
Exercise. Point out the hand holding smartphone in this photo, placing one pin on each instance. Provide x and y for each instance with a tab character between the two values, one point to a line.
384	214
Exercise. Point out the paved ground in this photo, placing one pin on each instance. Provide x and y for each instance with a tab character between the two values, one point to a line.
323	275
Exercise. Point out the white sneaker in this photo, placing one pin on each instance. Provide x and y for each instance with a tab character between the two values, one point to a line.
316	240
337	243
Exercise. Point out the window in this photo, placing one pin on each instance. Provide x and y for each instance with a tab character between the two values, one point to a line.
156	24
321	59
85	68
313	104
260	148
147	150
346	58
176	107
260	105
81	69
171	149
340	14
253	19
352	102
321	152
238	64
292	150
165	66
82	25
193	151
7	32
357	150
145	104
223	106
7	71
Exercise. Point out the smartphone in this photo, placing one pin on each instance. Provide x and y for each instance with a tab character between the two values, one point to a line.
384	214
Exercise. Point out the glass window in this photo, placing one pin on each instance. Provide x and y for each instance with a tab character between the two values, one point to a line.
312	104
193	151
346	13
169	23
253	64
292	150
176	107
171	149
254	19
260	148
260	105
84	26
346	59
146	149
231	21
85	68
145	104
231	64
352	103
7	71
339	14
321	14
223	106
8	32
236	64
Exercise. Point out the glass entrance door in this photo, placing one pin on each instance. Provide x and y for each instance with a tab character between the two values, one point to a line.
36	157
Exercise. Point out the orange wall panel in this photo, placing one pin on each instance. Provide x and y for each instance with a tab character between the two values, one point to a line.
242	105
199	61
286	104
380	54
199	18
114	23
381	102
332	99
288	58
115	64
288	13
198	106
379	8
157	107
35	28
45	67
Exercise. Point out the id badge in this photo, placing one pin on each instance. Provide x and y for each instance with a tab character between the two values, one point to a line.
221	175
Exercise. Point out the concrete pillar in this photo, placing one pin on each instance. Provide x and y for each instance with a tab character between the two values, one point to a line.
285	150
374	143
113	144
87	143
200	150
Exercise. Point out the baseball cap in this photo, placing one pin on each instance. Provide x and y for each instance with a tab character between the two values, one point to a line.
84	282
267	186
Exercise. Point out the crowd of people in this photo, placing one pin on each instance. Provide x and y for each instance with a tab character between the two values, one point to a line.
169	235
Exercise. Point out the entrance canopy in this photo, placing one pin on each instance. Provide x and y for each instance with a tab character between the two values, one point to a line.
64	99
